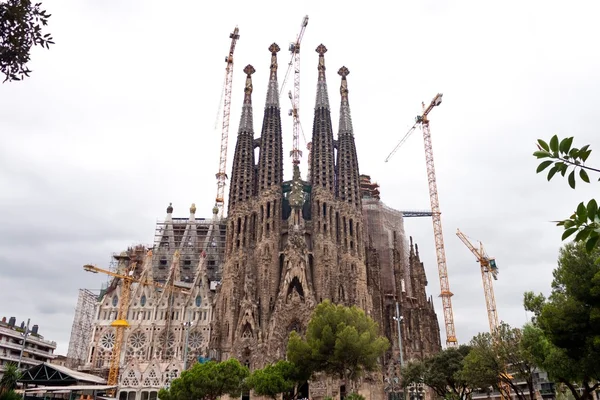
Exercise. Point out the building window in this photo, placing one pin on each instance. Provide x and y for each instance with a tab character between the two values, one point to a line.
115	301
143	300
198	301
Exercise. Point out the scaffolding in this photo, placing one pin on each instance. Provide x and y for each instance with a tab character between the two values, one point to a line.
191	237
81	331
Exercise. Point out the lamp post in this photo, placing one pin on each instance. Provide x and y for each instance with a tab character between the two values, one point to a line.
23	346
398	320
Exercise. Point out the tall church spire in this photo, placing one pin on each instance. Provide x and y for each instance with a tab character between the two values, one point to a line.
322	168
270	167
242	175
348	189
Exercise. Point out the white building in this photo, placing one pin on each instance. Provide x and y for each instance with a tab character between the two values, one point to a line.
36	350
159	320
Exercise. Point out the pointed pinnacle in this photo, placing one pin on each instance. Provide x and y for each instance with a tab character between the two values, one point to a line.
321	49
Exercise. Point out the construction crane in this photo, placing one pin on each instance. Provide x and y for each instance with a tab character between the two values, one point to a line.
489	273
436	216
294	48
120	323
222	174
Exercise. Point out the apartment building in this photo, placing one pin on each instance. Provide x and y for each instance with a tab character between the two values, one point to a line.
35	351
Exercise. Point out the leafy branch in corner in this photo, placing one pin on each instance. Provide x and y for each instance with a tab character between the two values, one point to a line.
563	157
585	221
20	29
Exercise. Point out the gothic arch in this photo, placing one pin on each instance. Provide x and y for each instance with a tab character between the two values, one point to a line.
295	286
131	376
247	331
152	376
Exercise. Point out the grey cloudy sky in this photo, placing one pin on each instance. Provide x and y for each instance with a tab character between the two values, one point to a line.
118	120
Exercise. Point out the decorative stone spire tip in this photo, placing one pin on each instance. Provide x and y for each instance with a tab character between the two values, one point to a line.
170	208
344	72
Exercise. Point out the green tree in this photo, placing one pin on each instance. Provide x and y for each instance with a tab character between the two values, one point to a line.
208	381
274	379
21	24
565	334
340	341
442	372
486	363
560	154
10	395
10	378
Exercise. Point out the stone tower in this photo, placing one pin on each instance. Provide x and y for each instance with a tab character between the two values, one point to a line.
293	244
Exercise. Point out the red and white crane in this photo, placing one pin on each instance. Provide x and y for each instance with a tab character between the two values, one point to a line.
294	48
436	216
218	210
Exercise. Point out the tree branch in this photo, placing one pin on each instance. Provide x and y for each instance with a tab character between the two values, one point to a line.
575	164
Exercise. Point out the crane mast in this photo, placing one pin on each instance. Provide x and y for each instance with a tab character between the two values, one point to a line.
294	48
489	272
222	174
436	216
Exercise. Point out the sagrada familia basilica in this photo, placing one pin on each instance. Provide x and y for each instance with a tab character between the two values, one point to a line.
284	246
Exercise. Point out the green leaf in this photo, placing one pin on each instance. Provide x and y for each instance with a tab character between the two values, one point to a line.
544	145
552	171
541	154
582	235
592	209
544	165
574	152
584	176
581	212
591	243
563	168
567	223
585	155
568	232
572	179
554	143
565	145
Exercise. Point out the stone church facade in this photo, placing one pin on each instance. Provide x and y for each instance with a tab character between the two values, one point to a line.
292	244
257	275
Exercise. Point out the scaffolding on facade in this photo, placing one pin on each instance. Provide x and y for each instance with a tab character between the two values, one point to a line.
81	331
191	237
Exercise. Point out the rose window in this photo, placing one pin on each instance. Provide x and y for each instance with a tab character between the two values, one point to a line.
108	340
137	339
168	339
195	340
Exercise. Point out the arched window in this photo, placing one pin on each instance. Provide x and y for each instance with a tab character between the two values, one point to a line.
115	301
143	300
198	301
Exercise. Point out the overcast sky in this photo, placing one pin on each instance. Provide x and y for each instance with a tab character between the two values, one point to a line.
118	120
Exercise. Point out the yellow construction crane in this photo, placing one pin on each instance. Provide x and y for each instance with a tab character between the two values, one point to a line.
222	174
436	216
120	323
489	273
